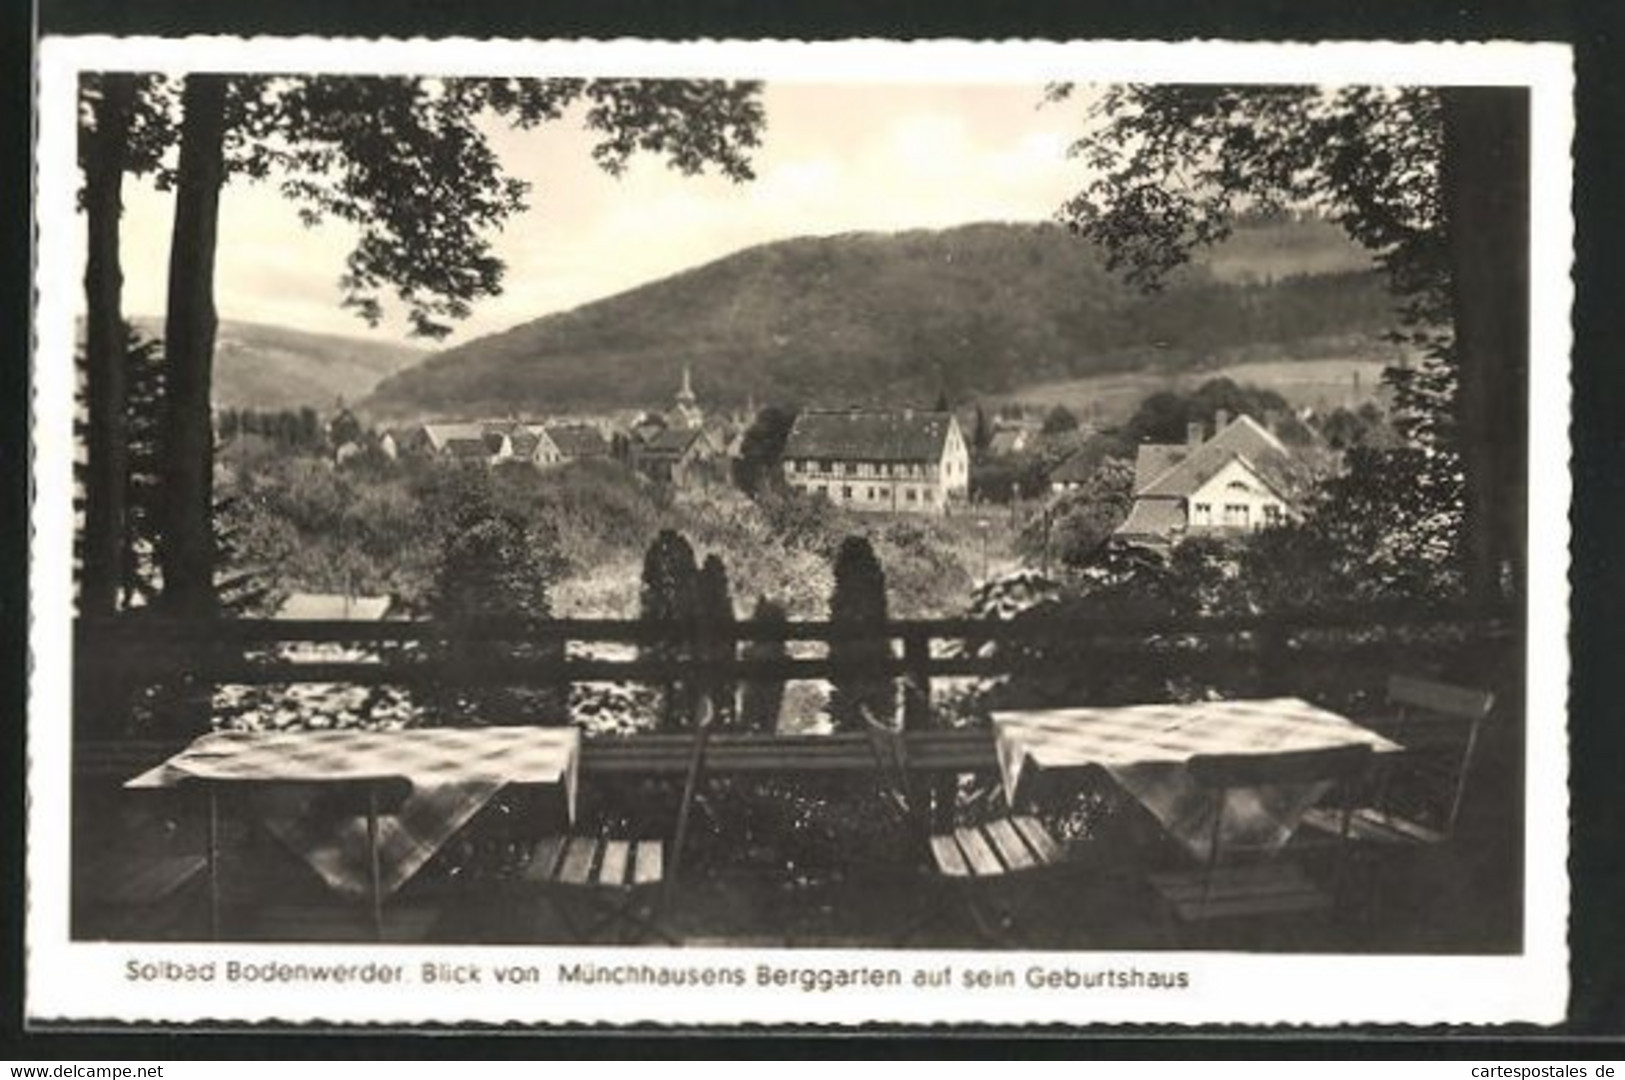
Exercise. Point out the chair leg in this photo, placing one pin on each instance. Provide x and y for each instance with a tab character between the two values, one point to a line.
375	875
213	856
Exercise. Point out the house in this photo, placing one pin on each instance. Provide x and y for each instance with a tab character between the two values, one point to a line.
678	456
1010	440
571	442
905	461
1073	472
330	607
1240	480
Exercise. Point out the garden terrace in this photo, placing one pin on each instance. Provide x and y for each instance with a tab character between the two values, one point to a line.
792	846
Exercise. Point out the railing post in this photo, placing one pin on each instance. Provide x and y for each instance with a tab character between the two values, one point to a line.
917	717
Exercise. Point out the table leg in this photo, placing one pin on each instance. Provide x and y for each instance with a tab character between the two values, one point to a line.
213	856
372	856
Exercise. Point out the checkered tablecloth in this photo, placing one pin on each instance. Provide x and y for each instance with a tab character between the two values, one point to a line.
1146	748
454	772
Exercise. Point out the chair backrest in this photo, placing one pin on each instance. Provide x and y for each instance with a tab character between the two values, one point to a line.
1427	708
890	750
1421	700
704	714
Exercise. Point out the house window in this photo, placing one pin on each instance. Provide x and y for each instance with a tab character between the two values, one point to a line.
1235	514
913	496
1272	515
846	491
1201	513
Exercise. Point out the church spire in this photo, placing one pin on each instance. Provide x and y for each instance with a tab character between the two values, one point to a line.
687	414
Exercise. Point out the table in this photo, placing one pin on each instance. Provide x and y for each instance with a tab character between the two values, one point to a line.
1146	748
454	772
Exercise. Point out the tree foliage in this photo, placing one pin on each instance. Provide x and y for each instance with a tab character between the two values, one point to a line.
1164	417
1426	179
489	568
762	446
669	595
1059	420
1075	526
406	162
857	608
714	612
762	699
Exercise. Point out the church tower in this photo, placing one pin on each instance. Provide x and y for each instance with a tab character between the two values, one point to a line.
688	413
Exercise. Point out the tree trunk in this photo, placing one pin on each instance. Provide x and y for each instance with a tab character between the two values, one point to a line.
1485	188
186	552
106	385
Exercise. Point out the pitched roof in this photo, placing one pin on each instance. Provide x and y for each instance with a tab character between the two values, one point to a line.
1078	467
333	606
473	447
578	440
441	434
1242	439
524	442
870	436
1151	460
1153	517
672	442
1006	442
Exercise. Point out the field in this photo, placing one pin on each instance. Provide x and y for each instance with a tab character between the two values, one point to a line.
1323	383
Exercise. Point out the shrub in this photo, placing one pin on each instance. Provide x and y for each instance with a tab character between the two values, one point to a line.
858	607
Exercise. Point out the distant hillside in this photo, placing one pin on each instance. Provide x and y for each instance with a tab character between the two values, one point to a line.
272	367
979	309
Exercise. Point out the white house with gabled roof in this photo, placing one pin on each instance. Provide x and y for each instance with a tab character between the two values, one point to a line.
1240	480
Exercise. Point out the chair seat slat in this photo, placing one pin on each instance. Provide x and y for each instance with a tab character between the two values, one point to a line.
1012	849
978	853
612	871
648	865
946	854
578	861
1038	838
544	859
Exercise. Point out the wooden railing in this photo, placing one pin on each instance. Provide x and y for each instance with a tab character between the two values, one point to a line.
133	650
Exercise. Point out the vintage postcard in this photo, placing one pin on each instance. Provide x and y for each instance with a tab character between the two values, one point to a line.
805	534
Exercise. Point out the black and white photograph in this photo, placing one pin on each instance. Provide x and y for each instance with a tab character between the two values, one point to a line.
800	533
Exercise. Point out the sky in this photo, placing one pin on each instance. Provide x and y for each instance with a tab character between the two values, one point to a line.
833	159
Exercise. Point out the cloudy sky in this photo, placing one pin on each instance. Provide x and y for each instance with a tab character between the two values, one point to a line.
834	159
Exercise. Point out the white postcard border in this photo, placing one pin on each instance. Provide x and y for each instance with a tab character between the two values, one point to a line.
81	981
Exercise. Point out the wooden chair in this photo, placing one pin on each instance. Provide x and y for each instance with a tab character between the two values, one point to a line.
616	876
1240	884
137	895
368	797
976	870
1439	725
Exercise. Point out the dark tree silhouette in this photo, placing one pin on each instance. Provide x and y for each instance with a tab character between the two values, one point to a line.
669	595
123	129
981	435
714	612
857	608
762	699
1059	420
492	568
762	447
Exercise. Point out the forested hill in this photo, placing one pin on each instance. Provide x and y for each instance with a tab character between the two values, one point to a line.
863	318
274	367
